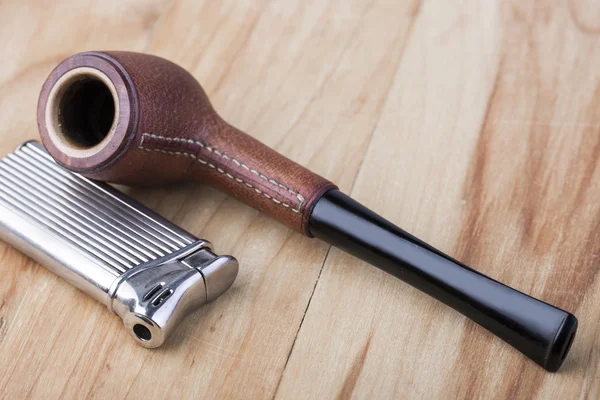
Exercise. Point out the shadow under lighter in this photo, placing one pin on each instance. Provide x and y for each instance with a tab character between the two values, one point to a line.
144	268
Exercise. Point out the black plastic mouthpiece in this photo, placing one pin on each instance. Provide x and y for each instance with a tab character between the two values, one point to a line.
539	330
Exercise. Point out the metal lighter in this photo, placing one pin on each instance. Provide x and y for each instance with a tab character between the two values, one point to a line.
144	268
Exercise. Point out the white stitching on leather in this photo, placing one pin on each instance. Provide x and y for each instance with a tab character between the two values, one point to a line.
225	156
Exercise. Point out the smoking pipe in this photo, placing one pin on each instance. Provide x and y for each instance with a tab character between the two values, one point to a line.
138	119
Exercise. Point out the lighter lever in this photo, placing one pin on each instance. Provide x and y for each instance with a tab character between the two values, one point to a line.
142	267
141	120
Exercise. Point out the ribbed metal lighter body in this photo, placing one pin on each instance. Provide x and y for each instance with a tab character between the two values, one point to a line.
144	268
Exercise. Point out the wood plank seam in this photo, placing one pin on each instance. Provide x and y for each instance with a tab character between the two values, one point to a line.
388	91
301	321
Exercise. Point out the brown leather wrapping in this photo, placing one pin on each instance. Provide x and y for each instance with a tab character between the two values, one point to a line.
175	135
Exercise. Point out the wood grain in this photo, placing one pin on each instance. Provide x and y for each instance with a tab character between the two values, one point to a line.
475	125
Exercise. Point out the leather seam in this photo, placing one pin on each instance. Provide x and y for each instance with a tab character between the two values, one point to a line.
220	170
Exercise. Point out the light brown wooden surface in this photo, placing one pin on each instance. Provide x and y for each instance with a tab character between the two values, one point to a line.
475	125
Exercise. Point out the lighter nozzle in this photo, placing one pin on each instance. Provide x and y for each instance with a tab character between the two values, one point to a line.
153	299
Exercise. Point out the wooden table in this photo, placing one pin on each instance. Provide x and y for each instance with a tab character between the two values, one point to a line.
475	125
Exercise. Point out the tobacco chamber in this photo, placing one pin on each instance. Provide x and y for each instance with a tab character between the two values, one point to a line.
141	120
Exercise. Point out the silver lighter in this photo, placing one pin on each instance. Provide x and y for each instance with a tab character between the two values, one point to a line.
144	268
